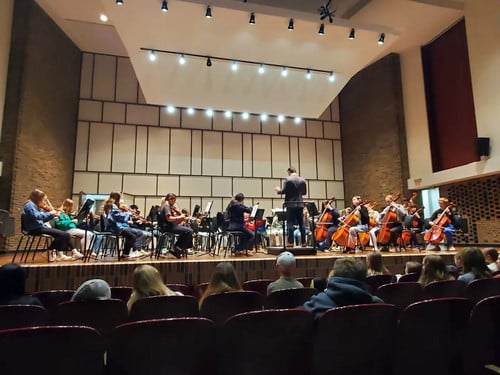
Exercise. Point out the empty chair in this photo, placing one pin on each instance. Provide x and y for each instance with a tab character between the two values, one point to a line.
266	342
51	299
51	350
409	277
167	346
259	286
375	281
289	298
484	335
121	292
445	288
218	307
182	288
429	337
17	316
343	331
482	288
103	315
400	294
159	307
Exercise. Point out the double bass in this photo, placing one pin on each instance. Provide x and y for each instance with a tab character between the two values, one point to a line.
341	236
321	230
384	234
436	234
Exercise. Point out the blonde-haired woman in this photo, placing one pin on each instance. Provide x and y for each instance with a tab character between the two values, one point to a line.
224	279
147	282
66	222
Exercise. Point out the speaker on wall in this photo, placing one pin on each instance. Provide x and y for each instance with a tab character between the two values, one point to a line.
483	146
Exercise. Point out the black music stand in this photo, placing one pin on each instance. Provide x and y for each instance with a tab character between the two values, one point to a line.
313	211
208	219
83	215
258	215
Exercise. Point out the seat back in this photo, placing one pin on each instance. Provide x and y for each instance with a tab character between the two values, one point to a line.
182	288
221	221
482	288
445	288
484	334
342	331
306	281
172	346
17	316
51	299
121	292
259	286
400	294
409	277
434	332
375	281
52	350
199	289
162	307
268	342
219	307
289	298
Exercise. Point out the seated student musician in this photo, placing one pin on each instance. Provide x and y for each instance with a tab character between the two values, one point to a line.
345	287
447	228
236	213
173	221
141	223
331	215
358	209
285	264
394	225
66	222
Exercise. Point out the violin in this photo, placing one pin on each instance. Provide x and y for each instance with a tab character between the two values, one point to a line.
436	234
324	219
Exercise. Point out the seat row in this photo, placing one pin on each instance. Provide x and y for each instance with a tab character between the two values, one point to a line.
431	337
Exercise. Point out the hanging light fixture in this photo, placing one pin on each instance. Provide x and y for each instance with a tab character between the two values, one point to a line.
119	2
308	74
352	34
321	30
182	59
331	77
164	6
208	12
381	40
252	19
209	62
261	69
284	72
234	66
290	24
152	55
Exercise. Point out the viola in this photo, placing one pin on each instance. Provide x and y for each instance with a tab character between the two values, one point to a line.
384	234
326	218
436	234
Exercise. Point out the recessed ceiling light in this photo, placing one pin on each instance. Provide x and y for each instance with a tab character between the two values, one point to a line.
245	116
170	109
103	17
209	113
281	118
228	114
190	111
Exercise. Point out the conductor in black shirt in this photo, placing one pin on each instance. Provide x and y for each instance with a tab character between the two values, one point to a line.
294	188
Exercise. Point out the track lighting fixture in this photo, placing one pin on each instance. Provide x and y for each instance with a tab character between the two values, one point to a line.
321	29
209	62
284	72
381	40
182	59
252	19
352	34
290	24
331	77
261	69
208	12
308	74
119	2
152	55
164	6
234	66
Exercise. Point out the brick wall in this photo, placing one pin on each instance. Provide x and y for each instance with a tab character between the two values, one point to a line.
39	129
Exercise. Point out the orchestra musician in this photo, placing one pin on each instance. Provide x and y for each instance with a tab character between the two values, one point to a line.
358	209
66	222
333	225
172	221
448	227
141	223
395	226
36	212
236	213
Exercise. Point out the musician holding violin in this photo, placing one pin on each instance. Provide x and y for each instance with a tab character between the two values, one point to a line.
390	224
442	223
37	211
172	221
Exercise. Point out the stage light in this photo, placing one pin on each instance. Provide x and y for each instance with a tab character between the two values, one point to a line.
152	55
119	2
252	19
182	59
234	66
228	114
284	72
321	30
290	24
164	6
381	40
308	74
170	109
263	117
281	118
103	17
331	77
209	112
209	62
297	120
352	34
245	116
261	69
190	111
208	12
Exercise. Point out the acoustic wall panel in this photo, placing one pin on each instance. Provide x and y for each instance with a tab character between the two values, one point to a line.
294	154
198	120
143	114
84	181
139	184
126	82
316	189
268	187
86	76
141	149
170	119
180	151
82	144
158	150
100	147
221	123
324	150
261	155
168	184
250	187
314	128
280	151
212	153
337	161
113	112
196	185
270	126
247	155
332	130
250	125
103	87
109	182
232	151
222	187
335	110
196	152
289	127
90	110
123	148
336	189
307	158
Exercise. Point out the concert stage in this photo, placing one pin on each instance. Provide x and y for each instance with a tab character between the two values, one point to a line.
195	269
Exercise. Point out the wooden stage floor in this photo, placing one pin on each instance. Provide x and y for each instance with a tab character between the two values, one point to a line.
195	269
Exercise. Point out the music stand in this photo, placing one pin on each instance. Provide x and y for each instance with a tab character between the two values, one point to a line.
83	215
257	214
313	211
207	218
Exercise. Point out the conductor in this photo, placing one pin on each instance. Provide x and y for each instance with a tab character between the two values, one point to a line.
294	188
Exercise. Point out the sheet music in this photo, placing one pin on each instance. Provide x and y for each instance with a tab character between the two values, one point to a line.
254	210
208	208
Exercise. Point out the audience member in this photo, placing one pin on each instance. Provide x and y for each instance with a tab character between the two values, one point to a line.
12	286
413	267
433	269
491	256
285	264
224	279
375	266
474	265
147	282
92	290
345	287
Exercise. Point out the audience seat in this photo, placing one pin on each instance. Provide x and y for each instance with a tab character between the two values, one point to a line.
17	316
182	288
162	307
51	299
259	286
218	307
482	288
375	281
121	292
445	288
400	295
409	277
289	298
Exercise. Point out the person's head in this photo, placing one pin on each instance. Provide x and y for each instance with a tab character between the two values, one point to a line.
356	200
134	208
116	196
239	197
413	267
389	199
37	197
350	268
458	260
147	281
491	255
224	273
433	269
92	290
12	281
374	262
108	205
291	170
473	260
67	206
285	263
443	202
171	198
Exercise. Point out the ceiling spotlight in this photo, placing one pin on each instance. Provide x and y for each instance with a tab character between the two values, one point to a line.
321	30
208	13
209	62
164	6
190	111
281	118
209	113
297	120
152	55
103	17
352	34
284	72
263	117
234	66
252	19
331	77
381	40
308	74
228	114
119	2
182	59
290	24
261	69
245	116
170	109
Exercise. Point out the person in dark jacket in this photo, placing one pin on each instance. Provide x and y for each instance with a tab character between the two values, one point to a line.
12	286
345	287
236	213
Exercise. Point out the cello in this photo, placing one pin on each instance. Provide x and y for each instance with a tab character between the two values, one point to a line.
384	234
324	219
436	234
341	236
